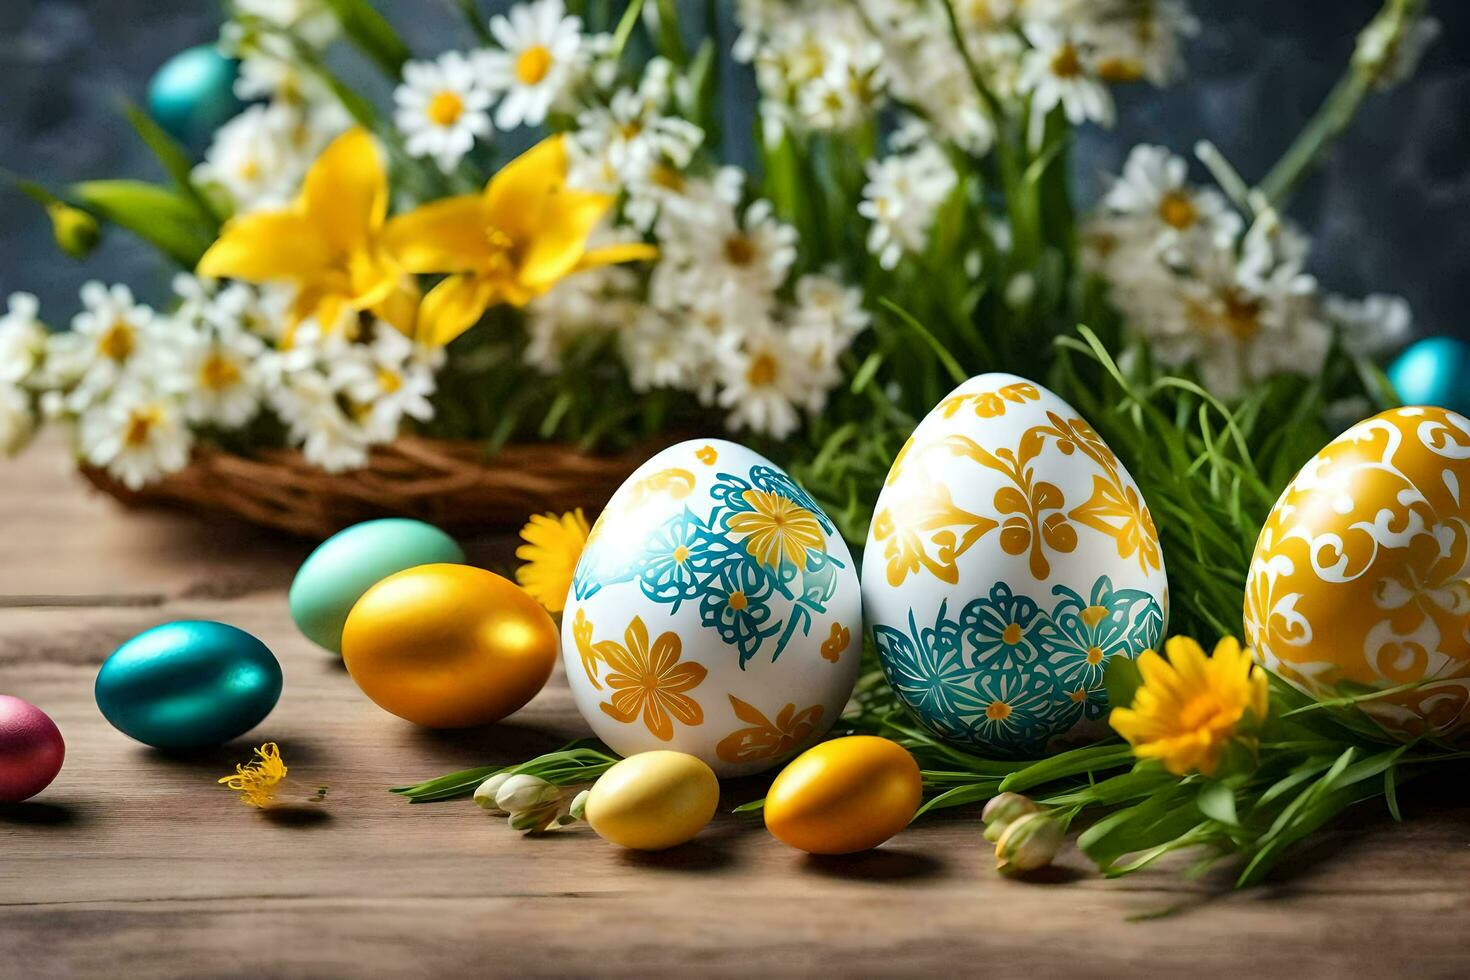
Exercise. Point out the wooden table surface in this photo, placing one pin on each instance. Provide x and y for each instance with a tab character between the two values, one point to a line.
134	863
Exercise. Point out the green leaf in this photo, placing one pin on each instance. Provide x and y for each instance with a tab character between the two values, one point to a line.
1121	680
376	38
751	807
1217	801
161	217
175	162
1093	758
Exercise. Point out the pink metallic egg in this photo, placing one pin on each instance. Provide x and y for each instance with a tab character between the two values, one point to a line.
31	749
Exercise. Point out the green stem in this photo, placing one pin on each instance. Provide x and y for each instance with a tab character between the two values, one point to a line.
471	11
992	104
1340	106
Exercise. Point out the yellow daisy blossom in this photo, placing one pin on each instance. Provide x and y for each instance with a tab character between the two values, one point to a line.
553	545
509	244
258	780
777	530
1190	706
328	242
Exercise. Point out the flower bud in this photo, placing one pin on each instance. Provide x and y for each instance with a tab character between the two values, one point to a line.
485	792
536	819
1030	842
1002	810
579	805
521	793
75	230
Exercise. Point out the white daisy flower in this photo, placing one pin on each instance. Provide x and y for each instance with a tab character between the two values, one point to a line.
763	382
1057	71
1391	61
388	381
22	339
17	420
1154	200
903	193
595	300
849	89
755	251
1374	325
138	434
111	341
217	376
442	109
623	142
1143	41
259	157
311	20
657	353
541	48
826	301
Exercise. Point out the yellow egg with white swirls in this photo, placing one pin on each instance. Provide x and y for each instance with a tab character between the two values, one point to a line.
714	611
1359	577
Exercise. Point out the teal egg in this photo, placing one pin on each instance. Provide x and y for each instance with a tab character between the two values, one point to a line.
350	562
193	94
1434	371
189	684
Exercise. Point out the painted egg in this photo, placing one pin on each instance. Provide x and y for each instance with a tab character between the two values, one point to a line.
31	749
846	795
1009	557
189	684
653	801
1433	371
715	611
193	94
350	562
449	646
1359	578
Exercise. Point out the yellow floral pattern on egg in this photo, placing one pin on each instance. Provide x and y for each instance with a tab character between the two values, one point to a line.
1360	573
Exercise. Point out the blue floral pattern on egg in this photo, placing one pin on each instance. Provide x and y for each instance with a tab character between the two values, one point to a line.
1010	557
713	612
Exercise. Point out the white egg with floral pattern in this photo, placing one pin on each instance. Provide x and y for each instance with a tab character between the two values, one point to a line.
1010	557
715	611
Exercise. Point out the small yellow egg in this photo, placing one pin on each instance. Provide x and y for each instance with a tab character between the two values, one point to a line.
653	800
449	646
845	795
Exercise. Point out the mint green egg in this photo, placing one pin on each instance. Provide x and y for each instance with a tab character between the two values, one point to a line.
350	562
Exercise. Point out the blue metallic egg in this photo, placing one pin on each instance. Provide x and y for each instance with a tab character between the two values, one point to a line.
1434	371
189	684
193	94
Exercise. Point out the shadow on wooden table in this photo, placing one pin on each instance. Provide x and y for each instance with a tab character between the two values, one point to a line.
882	864
32	813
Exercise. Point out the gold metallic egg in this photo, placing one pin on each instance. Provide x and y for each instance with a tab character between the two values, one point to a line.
1359	578
845	795
449	646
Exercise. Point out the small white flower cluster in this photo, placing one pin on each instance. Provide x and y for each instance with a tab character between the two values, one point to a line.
140	385
1203	288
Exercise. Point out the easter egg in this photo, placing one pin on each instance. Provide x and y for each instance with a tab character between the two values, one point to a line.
1010	556
31	749
653	801
1433	371
715	610
350	562
193	94
449	646
845	795
1359	577
188	684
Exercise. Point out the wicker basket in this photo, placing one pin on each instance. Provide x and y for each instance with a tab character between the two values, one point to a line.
451	484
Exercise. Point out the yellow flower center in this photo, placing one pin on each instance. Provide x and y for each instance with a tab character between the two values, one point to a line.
762	371
739	250
1120	70
1065	63
738	602
1177	211
681	554
998	711
389	381
1094	655
445	108
1242	314
533	64
249	169
668	178
140	426
630	130
218	373
1012	634
118	342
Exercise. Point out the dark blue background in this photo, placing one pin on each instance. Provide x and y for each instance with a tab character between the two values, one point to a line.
1390	210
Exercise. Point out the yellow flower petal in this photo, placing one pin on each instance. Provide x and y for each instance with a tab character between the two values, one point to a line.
452	307
266	246
345	193
445	236
618	254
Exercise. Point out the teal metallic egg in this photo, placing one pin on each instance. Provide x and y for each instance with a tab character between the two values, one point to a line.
189	684
193	94
1434	371
350	562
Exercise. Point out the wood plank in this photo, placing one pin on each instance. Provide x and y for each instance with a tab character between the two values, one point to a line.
135	863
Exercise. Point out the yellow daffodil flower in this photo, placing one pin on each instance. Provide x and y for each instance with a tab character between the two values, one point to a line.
509	244
1190	706
328	242
553	545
